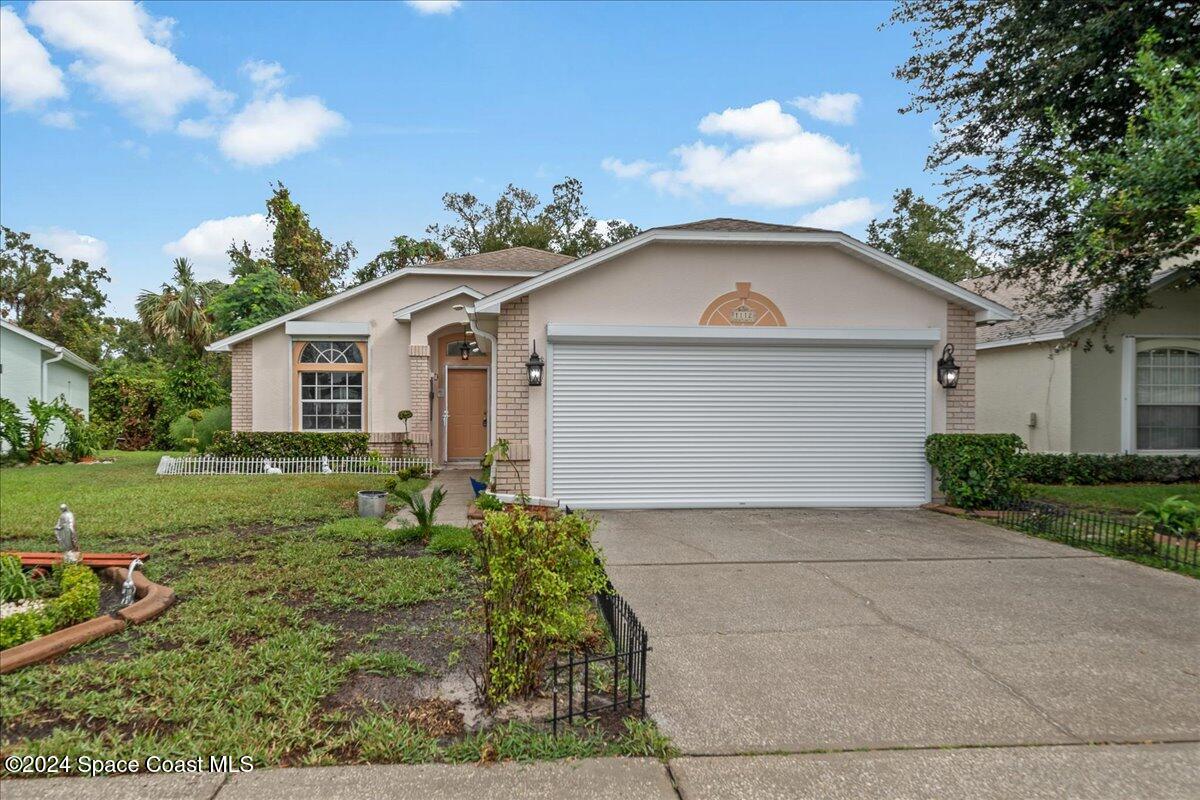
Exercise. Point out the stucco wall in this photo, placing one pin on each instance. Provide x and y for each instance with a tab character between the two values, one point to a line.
388	388
1013	382
672	284
1096	374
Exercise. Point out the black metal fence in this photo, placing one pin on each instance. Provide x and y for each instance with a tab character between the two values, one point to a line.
587	684
1103	531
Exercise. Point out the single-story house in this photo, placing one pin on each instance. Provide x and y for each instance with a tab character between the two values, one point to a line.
716	363
35	368
1136	389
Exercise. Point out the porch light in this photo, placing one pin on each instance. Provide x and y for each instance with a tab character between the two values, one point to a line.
947	370
464	351
535	366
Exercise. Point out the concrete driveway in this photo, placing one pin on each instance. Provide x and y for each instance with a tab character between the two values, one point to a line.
784	631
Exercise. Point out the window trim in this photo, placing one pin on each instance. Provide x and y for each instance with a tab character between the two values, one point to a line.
1130	347
298	367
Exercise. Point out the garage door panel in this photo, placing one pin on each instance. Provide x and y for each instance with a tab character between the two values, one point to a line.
727	425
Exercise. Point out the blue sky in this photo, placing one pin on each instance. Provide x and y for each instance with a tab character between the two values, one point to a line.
133	133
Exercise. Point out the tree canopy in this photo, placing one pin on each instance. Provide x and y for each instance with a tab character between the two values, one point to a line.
1027	93
405	251
60	302
518	218
256	295
926	236
178	314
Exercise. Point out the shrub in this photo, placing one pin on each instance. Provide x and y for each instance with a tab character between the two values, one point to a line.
129	398
12	427
14	583
78	600
17	629
211	420
977	470
1138	540
539	577
289	444
424	511
451	539
1174	514
486	501
1088	469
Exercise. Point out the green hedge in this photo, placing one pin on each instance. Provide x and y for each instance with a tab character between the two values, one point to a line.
977	470
288	444
78	600
1087	469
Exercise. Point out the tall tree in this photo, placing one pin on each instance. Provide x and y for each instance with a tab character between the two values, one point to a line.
298	249
518	218
926	236
255	296
1002	77
178	314
405	251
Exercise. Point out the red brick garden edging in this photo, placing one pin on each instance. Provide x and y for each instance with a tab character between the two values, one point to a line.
152	600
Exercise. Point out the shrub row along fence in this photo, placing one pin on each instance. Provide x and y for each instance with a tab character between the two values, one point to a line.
1095	530
233	465
587	684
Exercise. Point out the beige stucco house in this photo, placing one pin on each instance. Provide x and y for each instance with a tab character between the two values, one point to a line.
1135	389
717	363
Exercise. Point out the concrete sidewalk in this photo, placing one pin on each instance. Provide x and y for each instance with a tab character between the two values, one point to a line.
453	511
1114	772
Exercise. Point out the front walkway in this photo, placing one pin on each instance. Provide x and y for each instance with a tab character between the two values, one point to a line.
453	511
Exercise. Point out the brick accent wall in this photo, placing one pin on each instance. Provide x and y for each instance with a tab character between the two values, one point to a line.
512	394
418	402
241	399
960	401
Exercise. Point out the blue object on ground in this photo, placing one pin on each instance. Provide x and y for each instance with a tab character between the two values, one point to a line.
477	486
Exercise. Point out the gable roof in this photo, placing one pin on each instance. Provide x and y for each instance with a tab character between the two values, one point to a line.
515	261
1034	323
46	344
405	314
731	231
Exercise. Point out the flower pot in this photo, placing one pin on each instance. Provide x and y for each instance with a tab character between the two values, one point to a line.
372	503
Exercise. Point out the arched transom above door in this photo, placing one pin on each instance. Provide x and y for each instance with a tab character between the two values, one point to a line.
743	307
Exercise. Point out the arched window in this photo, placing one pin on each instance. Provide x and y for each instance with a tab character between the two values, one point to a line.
1168	399
330	390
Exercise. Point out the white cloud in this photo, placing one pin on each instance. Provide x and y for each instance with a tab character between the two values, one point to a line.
27	76
124	54
843	214
267	76
197	128
837	108
67	244
59	119
277	127
206	244
434	6
626	169
760	121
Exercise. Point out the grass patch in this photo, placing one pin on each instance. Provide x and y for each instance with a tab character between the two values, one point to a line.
385	662
447	539
1127	497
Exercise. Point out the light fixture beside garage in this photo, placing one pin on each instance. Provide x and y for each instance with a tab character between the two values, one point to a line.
535	366
947	370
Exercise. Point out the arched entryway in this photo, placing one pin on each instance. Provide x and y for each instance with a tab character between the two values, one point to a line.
462	402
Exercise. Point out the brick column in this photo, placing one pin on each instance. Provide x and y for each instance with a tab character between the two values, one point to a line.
418	386
512	394
241	398
960	401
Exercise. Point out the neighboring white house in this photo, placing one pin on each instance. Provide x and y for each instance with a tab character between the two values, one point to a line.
1135	390
33	367
716	363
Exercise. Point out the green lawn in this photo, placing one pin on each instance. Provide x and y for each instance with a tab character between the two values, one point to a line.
297	638
1115	497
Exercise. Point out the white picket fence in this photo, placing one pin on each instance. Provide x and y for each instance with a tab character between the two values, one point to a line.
231	465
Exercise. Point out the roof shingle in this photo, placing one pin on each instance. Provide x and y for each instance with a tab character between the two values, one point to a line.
514	259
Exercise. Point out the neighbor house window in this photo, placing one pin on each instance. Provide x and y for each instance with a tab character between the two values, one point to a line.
1168	399
329	376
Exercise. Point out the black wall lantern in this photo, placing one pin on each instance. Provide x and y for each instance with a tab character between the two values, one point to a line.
535	366
464	351
947	370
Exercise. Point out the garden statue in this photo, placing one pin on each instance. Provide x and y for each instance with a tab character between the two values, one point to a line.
270	469
128	590
325	468
68	538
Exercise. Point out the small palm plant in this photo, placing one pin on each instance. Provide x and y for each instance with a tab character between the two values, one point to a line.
423	511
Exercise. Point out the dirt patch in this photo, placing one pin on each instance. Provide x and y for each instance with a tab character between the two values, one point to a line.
437	717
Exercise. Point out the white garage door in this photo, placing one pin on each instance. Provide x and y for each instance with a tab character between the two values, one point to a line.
690	425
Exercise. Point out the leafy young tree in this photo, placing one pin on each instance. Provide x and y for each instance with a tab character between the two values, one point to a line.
404	252
61	302
256	295
300	252
928	237
125	341
1002	75
517	218
178	314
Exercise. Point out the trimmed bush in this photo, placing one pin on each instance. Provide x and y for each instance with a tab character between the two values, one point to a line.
1089	469
977	470
78	601
211	421
289	444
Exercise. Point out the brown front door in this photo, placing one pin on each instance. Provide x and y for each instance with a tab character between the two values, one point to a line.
466	403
